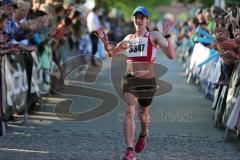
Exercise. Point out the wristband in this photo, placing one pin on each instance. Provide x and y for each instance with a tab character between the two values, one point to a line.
167	35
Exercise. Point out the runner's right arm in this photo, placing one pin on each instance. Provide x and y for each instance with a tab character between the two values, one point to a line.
111	51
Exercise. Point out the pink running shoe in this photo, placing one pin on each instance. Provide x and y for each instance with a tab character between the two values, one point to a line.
129	155
141	143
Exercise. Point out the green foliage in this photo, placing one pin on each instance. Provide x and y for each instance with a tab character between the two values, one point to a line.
204	3
186	1
208	3
127	6
232	2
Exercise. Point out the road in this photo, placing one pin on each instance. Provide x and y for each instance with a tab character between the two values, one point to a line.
181	124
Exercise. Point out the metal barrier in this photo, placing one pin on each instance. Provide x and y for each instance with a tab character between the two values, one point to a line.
21	85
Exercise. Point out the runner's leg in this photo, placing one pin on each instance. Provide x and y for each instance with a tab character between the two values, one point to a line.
129	123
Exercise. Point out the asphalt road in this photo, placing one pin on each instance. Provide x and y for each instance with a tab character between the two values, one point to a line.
181	123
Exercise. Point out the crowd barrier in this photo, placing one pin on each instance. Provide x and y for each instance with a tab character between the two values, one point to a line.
205	70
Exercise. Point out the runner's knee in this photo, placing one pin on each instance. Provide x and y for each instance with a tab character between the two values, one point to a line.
130	110
130	99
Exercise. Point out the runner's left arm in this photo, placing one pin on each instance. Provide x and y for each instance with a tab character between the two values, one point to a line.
164	39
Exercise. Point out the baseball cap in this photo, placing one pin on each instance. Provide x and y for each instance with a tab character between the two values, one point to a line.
142	10
9	3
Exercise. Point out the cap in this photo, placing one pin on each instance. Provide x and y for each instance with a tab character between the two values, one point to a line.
142	10
9	2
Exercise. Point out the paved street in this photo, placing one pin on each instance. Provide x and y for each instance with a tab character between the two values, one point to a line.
181	129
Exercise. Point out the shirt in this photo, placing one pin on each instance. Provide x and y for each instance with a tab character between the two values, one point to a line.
92	22
141	49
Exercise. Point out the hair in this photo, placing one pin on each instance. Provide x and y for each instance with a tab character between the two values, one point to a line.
41	48
94	9
80	1
234	11
58	8
67	21
76	25
37	14
76	14
3	17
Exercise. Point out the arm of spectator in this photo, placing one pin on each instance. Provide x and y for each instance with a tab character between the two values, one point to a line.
238	41
228	56
220	30
229	44
12	49
27	48
221	38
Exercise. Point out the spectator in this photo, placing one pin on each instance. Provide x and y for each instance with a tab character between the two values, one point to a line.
93	23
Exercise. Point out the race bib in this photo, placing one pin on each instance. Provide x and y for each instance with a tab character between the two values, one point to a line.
137	47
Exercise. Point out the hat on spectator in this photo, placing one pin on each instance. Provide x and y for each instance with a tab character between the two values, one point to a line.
142	10
9	3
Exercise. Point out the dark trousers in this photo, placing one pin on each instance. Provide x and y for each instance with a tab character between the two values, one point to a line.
28	60
227	71
94	40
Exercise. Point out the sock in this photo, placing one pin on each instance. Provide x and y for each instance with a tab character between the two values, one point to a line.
142	136
130	148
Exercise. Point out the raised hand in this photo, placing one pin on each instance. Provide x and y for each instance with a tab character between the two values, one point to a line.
237	32
220	30
229	44
221	38
167	26
102	35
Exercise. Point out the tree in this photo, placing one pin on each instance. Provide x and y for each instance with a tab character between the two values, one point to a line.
204	3
127	6
232	2
207	3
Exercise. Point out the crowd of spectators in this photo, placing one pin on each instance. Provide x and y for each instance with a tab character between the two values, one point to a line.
208	46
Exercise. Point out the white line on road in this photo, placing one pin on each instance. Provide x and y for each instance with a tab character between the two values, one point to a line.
23	150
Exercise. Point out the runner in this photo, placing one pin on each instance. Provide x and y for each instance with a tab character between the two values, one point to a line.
138	82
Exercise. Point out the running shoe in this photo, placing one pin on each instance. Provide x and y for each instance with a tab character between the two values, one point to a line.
129	155
141	143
